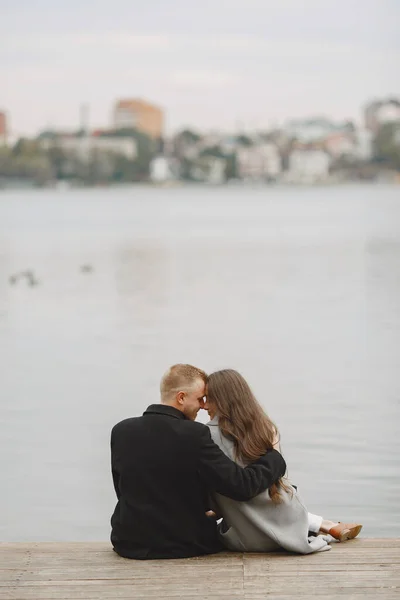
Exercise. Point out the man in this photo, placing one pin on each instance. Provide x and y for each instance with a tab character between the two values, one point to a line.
164	465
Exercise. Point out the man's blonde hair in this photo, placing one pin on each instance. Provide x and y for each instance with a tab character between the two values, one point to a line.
180	378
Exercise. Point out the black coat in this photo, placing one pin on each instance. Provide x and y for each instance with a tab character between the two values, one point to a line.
164	467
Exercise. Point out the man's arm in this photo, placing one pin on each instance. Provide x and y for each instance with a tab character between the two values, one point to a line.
224	476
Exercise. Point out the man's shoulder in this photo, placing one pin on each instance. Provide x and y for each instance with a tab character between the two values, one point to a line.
195	426
125	423
188	429
195	430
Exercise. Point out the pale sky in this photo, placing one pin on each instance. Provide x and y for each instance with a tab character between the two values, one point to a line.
211	64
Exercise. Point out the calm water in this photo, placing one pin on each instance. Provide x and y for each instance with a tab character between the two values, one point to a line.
299	289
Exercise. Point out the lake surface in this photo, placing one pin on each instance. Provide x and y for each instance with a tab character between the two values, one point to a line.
297	288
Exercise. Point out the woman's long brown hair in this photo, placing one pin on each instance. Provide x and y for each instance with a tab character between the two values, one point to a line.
242	419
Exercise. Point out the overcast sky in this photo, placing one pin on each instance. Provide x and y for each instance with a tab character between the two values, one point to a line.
209	63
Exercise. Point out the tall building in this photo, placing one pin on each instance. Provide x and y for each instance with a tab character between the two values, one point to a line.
3	128
141	115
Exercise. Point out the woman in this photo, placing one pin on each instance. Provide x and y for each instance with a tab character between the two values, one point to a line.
277	517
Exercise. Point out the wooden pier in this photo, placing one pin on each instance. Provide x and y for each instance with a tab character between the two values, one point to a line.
361	569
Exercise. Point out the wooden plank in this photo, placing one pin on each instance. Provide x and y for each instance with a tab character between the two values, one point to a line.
131	566
314	586
259	564
232	587
364	579
362	569
128	594
374	542
112	573
317	594
55	546
95	547
105	545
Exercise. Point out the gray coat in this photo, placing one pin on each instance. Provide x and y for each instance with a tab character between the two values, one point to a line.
259	525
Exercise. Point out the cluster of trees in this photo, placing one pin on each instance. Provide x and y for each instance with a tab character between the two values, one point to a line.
25	161
139	168
387	146
43	163
187	137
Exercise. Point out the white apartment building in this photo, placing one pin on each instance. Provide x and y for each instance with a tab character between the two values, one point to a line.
310	130
308	166
161	170
363	144
209	169
261	161
83	147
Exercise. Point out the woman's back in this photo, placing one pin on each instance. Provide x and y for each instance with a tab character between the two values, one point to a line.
261	525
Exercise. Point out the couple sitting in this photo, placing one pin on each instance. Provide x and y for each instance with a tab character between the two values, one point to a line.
174	477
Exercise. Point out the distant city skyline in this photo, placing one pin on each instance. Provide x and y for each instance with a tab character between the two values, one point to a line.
242	64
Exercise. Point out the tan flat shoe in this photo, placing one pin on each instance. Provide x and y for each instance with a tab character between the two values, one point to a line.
345	531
